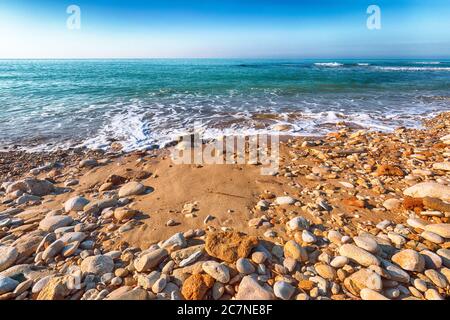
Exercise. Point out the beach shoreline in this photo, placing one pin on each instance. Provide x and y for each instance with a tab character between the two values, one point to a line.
126	217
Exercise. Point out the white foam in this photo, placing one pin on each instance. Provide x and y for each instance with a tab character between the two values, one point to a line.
363	64
328	64
428	62
414	68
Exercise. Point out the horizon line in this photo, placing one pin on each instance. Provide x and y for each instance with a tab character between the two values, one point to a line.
235	58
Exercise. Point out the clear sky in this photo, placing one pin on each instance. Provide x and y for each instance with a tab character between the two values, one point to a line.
224	29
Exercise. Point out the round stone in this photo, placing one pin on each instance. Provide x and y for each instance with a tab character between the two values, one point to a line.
283	290
339	262
131	189
441	229
433	237
293	250
7	285
8	256
218	271
308	237
244	266
298	223
52	223
358	255
366	243
285	201
325	271
75	204
98	265
409	260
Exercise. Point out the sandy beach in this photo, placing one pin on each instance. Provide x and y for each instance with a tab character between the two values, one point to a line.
352	215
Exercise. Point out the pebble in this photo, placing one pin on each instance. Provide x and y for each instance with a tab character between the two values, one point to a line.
176	240
283	290
428	189
191	259
218	271
366	243
433	237
369	294
420	285
8	256
159	285
131	189
325	271
40	284
308	237
150	260
88	163
75	204
52	250
445	256
358	255
251	289
293	250
284	201
7	285
339	262
298	224
432	260
97	265
417	223
409	260
335	237
433	294
436	277
259	257
52	223
244	266
396	239
441	229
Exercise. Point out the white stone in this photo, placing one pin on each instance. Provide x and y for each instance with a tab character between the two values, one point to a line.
75	204
8	256
429	189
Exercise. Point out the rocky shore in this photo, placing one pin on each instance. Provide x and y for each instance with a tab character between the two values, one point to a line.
354	215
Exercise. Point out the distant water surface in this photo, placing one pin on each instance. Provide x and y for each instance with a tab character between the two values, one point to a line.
46	104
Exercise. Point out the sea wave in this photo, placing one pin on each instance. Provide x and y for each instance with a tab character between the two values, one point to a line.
328	64
428	62
134	132
413	68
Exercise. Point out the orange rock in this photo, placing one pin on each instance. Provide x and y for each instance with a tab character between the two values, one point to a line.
415	204
354	202
389	170
306	285
436	204
55	289
439	146
196	286
229	246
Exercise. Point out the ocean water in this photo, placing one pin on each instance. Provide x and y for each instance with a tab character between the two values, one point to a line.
48	104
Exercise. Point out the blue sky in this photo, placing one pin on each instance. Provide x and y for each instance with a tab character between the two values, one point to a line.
224	29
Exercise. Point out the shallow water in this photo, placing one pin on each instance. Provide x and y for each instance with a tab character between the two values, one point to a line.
56	103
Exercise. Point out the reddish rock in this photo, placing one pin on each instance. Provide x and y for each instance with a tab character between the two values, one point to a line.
354	202
389	170
229	246
196	286
414	204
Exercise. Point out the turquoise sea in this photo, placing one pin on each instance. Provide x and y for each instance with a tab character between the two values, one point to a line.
47	104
